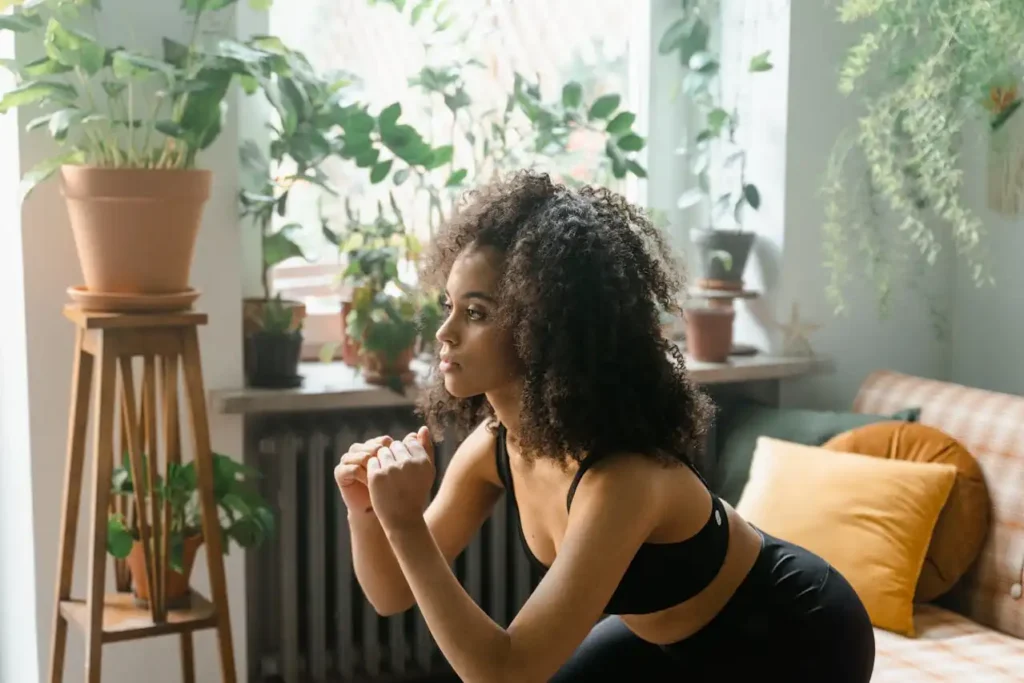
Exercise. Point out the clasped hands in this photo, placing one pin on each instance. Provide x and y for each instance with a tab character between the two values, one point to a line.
391	479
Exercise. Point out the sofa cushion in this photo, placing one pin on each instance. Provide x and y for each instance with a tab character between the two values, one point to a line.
948	647
964	521
991	426
741	422
870	518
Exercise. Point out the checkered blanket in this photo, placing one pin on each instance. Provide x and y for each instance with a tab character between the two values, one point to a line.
984	639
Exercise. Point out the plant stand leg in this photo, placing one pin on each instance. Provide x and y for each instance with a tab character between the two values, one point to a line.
188	660
193	372
77	431
106	353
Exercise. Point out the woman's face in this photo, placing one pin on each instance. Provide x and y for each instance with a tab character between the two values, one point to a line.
477	354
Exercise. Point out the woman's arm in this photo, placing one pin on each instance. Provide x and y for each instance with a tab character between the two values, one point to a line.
612	515
464	500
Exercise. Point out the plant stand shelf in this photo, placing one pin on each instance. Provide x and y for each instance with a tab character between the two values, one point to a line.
123	620
147	422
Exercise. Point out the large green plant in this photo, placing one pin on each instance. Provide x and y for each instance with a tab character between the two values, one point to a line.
110	106
314	121
923	70
690	39
244	517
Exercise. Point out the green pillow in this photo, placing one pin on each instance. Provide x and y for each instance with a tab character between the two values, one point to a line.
741	423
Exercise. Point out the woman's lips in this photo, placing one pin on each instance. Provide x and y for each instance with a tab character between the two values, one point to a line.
448	365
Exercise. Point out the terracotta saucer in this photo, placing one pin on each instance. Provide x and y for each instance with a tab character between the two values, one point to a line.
114	302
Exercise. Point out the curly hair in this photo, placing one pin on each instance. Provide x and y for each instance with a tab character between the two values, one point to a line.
586	276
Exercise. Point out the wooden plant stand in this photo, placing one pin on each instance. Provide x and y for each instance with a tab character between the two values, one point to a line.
109	342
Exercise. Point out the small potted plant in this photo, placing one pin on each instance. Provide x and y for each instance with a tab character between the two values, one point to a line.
244	518
689	39
130	127
385	315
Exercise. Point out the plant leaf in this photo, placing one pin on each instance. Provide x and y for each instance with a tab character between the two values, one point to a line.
690	198
572	95
456	178
759	62
752	195
631	142
73	48
278	246
119	539
62	120
32	92
604	106
20	23
127	65
621	124
380	171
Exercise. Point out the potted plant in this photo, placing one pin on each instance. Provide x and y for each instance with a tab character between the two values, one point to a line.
922	72
244	518
130	127
383	320
314	121
722	253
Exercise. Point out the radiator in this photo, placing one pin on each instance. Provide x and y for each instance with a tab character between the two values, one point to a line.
308	620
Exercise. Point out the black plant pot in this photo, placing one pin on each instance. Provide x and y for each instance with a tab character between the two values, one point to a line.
272	359
715	272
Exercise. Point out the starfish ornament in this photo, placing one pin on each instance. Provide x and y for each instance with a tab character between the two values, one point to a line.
795	334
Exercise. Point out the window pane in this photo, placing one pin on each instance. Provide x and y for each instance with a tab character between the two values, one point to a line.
549	42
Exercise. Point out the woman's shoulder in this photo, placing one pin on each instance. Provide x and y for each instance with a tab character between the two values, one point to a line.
478	452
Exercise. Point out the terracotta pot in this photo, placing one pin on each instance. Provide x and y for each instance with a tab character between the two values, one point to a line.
177	582
379	369
709	333
135	229
350	345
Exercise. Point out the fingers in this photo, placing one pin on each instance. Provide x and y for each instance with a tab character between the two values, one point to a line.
423	436
349	473
385	456
401	451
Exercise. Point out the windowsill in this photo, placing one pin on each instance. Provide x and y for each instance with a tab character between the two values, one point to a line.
336	386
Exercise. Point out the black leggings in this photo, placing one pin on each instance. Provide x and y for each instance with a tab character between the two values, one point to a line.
794	617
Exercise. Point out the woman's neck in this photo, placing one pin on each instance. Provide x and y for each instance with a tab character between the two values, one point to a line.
507	403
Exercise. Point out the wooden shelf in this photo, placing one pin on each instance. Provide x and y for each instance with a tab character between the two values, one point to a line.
123	620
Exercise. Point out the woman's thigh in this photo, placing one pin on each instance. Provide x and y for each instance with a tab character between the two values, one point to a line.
612	652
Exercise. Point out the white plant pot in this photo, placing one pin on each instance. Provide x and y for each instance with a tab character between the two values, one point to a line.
1006	166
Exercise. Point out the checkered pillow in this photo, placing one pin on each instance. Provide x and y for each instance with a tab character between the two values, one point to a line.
991	426
948	647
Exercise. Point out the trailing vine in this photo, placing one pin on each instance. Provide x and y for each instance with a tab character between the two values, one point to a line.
925	69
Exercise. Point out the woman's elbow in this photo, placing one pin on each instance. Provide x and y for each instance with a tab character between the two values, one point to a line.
389	608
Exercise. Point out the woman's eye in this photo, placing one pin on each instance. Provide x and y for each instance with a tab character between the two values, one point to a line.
475	314
446	306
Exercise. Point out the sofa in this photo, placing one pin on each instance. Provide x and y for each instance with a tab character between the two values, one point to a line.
976	633
975	630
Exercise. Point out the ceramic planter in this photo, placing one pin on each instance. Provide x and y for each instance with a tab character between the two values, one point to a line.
272	356
709	333
714	271
177	585
379	368
135	229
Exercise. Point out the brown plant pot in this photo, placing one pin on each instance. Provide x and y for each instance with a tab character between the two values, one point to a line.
135	229
709	333
379	369
177	593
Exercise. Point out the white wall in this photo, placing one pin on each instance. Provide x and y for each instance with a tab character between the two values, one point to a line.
988	328
859	342
35	358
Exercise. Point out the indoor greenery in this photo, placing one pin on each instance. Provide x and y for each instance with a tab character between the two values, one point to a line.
923	69
479	139
110	106
244	515
690	39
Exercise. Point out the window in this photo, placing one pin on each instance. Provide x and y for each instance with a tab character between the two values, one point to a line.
483	43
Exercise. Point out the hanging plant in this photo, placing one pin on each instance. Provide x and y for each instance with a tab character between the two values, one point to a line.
924	69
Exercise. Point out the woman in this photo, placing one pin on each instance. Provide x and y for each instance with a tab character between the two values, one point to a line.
552	354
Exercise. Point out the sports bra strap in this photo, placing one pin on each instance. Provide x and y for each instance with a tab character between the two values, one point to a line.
588	462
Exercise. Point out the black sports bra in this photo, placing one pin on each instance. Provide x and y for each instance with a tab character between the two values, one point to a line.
660	575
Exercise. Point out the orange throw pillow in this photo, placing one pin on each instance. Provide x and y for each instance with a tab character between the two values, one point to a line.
870	518
964	521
